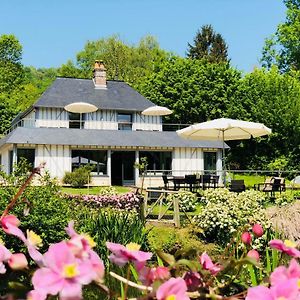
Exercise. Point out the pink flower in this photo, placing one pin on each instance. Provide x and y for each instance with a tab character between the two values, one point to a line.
149	275
63	273
287	247
193	280
131	253
207	264
282	273
10	224
246	238
36	295
173	289
287	290
257	230
17	261
4	257
253	254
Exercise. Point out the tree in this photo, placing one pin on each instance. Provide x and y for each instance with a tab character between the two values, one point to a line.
283	47
11	69
130	63
208	45
195	90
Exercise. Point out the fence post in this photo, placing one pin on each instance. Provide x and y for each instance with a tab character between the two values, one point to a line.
176	212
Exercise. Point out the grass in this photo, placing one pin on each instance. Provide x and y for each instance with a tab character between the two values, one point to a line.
93	190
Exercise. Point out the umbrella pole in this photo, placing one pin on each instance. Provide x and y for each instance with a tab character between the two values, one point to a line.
223	159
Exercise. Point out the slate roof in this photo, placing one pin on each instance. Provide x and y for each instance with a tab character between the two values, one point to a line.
94	137
118	95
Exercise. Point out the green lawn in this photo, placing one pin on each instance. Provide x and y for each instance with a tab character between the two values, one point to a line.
93	190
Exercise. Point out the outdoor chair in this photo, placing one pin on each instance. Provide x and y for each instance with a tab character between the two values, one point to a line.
237	186
191	181
167	182
205	181
271	186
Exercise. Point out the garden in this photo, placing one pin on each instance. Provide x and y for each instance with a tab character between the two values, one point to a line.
98	246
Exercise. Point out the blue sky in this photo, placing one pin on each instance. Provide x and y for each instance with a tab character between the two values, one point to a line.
53	31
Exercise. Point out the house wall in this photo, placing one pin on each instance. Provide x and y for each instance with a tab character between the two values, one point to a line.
100	119
187	160
5	158
56	157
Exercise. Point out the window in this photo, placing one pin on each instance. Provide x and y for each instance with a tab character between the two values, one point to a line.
158	160
75	120
210	161
97	159
28	154
124	121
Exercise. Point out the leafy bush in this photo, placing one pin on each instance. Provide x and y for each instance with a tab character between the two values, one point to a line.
79	177
187	200
108	191
284	199
225	212
42	210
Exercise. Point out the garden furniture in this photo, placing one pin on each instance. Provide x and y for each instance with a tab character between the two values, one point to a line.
237	186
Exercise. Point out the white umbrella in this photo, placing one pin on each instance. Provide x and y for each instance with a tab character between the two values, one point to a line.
224	130
156	111
81	108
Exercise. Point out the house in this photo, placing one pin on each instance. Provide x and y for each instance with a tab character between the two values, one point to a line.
111	139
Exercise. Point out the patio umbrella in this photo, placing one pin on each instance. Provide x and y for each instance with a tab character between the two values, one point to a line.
224	130
156	111
81	108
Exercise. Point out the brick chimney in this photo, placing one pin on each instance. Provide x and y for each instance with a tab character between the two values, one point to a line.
99	75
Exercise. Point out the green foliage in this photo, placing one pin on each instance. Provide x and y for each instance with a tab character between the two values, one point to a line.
226	212
208	45
111	225
195	90
187	200
40	209
11	69
79	177
130	63
283	47
284	199
107	191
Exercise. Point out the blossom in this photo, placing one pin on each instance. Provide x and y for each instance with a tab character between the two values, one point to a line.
149	275
287	290
36	295
246	238
287	247
131	253
4	257
207	264
257	230
253	254
10	225
173	289
63	273
193	280
17	261
282	273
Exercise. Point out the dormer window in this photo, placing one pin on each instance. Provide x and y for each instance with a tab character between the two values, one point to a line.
124	121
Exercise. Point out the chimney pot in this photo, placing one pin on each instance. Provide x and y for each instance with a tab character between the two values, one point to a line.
99	75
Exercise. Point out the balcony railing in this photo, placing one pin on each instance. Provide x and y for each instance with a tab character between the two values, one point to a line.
86	124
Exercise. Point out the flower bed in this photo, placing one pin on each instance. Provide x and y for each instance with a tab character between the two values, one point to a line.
128	201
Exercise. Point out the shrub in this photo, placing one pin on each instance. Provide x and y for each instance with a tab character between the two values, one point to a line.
128	201
42	210
108	191
225	212
79	177
284	198
187	200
